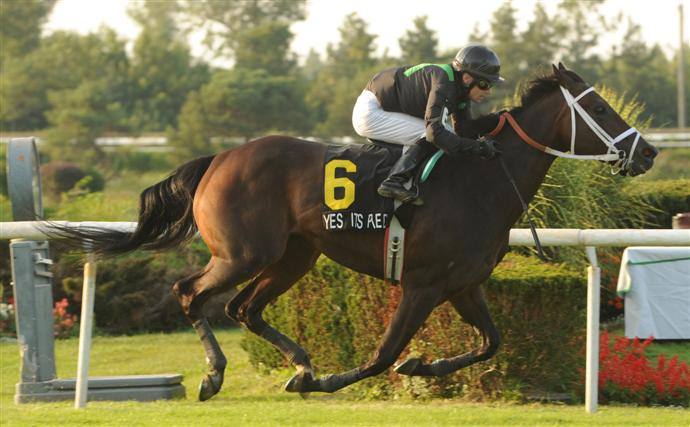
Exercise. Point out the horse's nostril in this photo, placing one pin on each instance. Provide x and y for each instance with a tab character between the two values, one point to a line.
650	152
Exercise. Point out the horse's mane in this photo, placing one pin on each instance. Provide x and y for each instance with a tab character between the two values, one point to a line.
532	92
540	87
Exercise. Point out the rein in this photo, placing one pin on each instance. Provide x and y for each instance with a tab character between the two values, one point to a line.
526	138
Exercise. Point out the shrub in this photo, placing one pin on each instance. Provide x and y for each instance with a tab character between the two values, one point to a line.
627	376
540	310
668	197
126	159
60	177
133	292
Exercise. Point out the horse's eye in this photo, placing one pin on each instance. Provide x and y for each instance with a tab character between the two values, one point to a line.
599	109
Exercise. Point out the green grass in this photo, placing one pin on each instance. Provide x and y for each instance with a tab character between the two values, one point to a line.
251	399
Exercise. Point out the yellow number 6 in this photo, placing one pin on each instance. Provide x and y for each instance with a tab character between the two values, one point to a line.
330	183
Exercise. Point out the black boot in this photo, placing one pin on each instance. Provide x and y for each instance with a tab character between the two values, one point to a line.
392	187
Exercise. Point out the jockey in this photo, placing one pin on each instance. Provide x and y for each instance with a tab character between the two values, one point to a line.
411	106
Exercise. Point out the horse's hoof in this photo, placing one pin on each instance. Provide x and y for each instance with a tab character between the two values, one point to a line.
409	366
210	386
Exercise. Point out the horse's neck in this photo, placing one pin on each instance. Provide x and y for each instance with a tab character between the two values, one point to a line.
526	164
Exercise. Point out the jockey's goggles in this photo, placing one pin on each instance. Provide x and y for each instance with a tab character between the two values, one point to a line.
484	84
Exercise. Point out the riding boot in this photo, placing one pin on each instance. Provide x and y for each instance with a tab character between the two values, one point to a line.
393	186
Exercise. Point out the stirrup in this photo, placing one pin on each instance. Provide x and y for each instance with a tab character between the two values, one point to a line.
402	194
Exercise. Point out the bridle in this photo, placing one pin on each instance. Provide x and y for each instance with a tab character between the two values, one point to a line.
612	154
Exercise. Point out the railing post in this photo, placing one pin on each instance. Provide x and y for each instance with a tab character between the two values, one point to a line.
592	369
88	291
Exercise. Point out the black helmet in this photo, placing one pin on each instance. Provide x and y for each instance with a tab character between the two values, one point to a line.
479	61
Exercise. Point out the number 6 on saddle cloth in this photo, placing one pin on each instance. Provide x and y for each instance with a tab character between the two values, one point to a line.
352	173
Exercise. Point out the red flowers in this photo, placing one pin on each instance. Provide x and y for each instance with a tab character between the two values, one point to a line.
64	323
626	375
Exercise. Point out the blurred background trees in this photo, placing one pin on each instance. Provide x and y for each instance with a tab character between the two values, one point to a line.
78	87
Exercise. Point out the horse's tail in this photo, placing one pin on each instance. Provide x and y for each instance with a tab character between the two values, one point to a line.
165	216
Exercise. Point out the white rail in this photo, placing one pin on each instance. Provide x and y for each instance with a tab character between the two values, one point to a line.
589	239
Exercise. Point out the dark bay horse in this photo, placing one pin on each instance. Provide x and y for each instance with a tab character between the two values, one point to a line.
258	208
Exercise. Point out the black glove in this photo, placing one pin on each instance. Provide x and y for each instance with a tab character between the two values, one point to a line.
486	147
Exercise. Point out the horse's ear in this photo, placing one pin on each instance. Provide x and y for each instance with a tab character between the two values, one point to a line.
560	75
562	67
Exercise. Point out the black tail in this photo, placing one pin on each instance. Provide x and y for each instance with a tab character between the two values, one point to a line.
165	216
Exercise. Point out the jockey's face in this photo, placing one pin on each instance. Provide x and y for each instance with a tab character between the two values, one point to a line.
477	94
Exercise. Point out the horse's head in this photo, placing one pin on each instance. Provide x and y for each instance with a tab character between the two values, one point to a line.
589	128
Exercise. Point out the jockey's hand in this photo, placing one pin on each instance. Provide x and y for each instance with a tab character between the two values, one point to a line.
486	147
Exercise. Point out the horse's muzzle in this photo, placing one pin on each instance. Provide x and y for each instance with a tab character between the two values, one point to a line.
643	159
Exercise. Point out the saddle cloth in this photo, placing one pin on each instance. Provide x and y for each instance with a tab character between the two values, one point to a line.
352	173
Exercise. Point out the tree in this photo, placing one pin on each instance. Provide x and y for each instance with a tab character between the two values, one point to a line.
349	65
355	49
239	103
163	71
97	103
419	45
256	33
64	60
542	37
581	25
20	26
644	72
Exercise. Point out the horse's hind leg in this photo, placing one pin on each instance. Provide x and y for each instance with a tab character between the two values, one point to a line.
473	309
218	276
248	305
414	308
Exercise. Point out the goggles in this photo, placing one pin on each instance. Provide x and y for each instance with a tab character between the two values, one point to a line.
484	84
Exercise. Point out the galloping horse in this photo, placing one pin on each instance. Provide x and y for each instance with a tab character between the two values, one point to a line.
258	209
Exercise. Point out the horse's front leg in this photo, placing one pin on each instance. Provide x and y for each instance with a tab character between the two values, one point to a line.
473	309
413	310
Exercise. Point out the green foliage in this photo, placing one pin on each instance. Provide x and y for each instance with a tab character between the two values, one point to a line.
266	47
62	63
20	26
133	292
126	159
419	44
668	197
349	66
163	71
236	27
240	102
341	315
81	206
60	177
629	68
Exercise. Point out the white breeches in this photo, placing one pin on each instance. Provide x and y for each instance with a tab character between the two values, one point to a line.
371	121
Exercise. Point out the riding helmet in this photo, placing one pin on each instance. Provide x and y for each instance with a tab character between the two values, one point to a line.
479	61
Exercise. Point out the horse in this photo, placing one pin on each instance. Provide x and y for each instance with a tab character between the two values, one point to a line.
258	209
